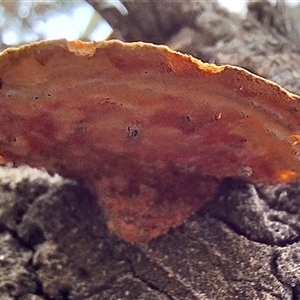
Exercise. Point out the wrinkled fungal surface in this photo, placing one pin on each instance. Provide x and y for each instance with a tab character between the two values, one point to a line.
150	131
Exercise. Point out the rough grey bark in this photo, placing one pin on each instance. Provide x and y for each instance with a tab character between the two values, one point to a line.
55	245
242	245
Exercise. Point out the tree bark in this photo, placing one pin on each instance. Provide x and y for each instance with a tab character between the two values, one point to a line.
242	245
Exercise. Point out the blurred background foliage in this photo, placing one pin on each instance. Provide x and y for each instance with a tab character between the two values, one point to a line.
28	21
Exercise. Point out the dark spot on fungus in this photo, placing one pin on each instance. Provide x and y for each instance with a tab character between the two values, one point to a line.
11	139
132	132
1	84
42	59
188	119
36	97
81	126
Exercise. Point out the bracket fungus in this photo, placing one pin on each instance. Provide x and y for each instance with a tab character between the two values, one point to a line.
151	132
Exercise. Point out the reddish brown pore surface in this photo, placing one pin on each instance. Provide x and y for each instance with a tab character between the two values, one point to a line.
151	132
